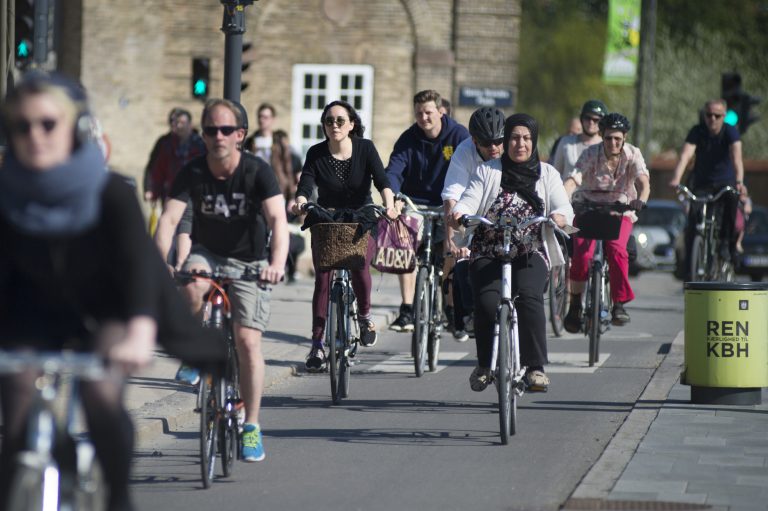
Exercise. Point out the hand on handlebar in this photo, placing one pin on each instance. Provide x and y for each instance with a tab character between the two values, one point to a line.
637	204
271	274
297	207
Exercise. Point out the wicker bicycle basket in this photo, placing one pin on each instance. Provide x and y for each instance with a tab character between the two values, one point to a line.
339	246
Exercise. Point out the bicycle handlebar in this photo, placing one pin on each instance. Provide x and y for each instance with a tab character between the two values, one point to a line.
249	275
430	211
512	224
682	189
87	366
309	206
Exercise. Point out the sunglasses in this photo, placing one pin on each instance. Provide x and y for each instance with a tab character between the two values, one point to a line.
225	130
489	143
24	126
339	121
587	118
713	115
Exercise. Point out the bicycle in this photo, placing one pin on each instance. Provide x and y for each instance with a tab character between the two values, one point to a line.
508	375
342	330
57	468
558	290
428	298
218	397
705	261
598	221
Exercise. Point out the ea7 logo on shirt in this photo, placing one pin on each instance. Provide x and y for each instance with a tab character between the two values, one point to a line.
218	205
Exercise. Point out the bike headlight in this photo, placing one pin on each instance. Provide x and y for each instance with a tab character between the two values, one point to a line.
642	238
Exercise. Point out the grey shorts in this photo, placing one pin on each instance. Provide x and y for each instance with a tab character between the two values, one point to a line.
250	303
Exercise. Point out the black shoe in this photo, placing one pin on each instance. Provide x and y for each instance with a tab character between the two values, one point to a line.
619	316
572	320
315	360
367	332
404	322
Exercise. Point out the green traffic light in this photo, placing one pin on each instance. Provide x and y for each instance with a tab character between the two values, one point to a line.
732	118
23	49
200	88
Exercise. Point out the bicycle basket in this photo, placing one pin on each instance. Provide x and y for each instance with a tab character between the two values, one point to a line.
596	224
339	246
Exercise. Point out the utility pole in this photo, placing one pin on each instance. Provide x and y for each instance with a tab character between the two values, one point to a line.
233	26
644	90
7	23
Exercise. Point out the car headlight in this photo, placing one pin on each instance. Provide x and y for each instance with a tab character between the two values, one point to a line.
642	238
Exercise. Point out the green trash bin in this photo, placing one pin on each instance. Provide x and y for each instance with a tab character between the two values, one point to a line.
726	342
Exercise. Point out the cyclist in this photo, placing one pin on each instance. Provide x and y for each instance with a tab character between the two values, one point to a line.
235	202
717	148
417	167
612	165
77	271
486	129
571	146
521	186
342	167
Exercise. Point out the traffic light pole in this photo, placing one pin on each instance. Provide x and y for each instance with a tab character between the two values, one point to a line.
6	18
644	94
233	26
40	43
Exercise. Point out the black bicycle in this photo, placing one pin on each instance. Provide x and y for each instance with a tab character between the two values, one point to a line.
219	402
705	261
428	299
340	247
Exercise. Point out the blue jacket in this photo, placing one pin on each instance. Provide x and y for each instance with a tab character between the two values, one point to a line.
418	165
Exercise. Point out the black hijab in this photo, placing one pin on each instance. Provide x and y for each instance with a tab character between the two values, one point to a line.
521	177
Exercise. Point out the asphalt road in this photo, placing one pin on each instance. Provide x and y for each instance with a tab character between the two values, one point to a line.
401	442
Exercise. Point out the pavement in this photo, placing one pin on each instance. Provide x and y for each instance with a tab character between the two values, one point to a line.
669	454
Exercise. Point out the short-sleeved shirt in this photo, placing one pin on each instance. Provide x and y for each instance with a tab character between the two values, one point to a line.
228	219
713	165
567	154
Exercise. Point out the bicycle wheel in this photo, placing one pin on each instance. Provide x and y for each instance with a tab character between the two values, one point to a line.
345	334
28	488
698	260
504	373
332	335
209	426
228	421
435	327
421	313
595	321
558	297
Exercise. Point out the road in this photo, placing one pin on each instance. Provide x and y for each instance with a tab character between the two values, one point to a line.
401	442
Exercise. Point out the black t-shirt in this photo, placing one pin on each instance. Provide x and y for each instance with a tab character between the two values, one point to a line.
713	164
228	218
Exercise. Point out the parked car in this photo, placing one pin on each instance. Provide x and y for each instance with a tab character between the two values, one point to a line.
754	260
655	231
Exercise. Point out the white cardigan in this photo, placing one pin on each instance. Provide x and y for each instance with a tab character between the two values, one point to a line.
484	187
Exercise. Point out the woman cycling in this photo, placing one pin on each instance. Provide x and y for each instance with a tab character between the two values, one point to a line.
520	186
77	270
612	165
342	167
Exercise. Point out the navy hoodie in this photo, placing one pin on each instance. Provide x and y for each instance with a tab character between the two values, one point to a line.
418	165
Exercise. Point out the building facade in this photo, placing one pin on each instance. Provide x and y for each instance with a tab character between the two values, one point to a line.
135	58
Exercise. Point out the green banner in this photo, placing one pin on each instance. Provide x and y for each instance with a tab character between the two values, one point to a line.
622	42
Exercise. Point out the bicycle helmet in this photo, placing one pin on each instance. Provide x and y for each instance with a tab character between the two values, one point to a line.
614	121
595	107
487	123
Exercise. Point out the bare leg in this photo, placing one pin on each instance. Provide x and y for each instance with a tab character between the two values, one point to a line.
251	370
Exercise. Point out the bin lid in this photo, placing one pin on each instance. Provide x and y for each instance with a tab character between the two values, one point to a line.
727	286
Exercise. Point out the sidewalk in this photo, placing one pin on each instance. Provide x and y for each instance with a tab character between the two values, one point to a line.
158	404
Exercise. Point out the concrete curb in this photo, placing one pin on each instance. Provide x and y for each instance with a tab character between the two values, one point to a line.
602	477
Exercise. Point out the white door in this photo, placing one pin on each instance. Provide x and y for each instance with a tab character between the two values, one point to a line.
316	85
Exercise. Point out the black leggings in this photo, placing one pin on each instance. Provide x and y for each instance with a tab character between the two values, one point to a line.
529	276
109	426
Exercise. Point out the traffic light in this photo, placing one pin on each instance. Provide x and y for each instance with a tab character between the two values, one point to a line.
247	60
24	32
739	103
201	77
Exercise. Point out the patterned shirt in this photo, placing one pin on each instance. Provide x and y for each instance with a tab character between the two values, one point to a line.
342	168
488	241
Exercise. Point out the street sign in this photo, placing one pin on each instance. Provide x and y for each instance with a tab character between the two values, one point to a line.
484	96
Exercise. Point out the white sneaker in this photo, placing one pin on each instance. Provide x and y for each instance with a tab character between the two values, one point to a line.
460	336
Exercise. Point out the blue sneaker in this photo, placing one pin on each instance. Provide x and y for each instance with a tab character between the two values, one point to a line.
187	374
253	447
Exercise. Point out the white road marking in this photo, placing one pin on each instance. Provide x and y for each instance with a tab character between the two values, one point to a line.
573	363
403	363
610	335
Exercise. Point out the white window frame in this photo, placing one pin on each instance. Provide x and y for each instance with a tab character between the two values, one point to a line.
302	116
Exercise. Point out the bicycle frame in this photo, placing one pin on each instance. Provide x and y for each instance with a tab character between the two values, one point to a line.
339	338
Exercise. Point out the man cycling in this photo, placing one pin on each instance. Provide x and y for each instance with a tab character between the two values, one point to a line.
571	146
236	202
486	129
717	147
612	165
417	167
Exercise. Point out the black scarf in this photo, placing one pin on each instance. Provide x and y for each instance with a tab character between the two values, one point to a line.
521	178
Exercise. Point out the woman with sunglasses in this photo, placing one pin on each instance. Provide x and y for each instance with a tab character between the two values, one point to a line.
77	271
342	167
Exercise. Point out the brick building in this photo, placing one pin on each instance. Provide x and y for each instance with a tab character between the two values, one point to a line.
135	57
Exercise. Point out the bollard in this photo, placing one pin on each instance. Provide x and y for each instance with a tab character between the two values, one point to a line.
726	342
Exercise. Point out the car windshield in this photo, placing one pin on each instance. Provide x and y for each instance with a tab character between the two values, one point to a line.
758	223
662	217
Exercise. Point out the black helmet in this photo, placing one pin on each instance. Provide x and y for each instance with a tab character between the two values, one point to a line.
594	106
614	121
487	123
